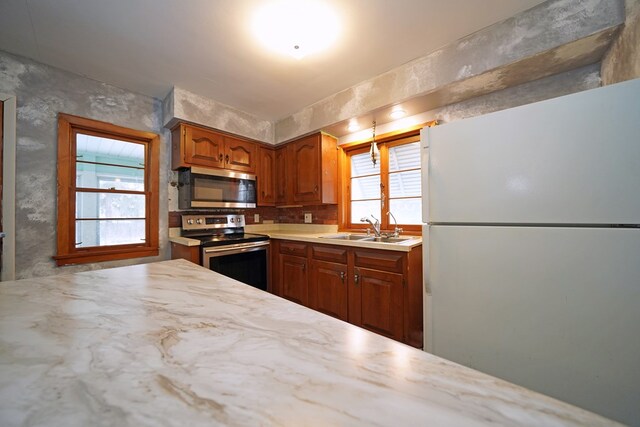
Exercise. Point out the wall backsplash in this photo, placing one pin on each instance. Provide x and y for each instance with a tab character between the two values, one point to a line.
324	214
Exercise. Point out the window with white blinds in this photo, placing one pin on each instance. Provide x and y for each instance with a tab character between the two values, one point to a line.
394	184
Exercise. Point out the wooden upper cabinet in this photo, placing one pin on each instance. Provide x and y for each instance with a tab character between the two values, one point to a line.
282	177
196	146
240	155
306	160
266	176
307	171
203	148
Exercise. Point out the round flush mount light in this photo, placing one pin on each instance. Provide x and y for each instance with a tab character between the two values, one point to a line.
295	27
397	113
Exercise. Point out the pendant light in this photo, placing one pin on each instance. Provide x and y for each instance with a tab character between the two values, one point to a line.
374	152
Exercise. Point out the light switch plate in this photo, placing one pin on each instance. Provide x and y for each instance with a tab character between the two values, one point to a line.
307	218
256	218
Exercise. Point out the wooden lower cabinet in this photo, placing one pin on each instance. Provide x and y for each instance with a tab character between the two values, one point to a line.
381	302
328	288
294	280
379	290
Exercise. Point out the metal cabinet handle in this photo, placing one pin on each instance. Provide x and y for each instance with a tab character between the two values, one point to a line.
342	276
356	278
221	156
227	158
315	189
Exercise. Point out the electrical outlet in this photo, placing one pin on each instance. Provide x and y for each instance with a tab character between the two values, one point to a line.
256	218
307	218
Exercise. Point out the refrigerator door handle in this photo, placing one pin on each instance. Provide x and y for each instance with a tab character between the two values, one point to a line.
424	165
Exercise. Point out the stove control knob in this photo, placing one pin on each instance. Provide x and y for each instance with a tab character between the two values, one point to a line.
199	221
232	220
190	221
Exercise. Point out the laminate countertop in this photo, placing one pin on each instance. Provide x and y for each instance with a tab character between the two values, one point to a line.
174	344
317	235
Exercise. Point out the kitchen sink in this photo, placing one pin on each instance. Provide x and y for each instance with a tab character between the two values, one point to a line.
384	239
349	237
365	238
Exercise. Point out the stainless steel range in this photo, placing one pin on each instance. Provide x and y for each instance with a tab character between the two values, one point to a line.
228	250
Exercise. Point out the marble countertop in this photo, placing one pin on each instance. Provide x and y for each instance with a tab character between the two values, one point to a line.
174	344
317	234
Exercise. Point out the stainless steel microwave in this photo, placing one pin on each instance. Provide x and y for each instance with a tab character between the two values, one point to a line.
216	188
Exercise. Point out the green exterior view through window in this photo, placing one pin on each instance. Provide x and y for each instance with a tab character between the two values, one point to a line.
107	191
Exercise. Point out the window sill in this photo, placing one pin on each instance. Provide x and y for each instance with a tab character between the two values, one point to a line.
104	255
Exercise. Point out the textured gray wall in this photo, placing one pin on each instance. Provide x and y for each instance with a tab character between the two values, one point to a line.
181	104
553	37
538	90
622	62
42	92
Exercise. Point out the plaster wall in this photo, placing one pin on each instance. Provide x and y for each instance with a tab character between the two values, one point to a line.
181	104
622	61
583	78
553	37
42	92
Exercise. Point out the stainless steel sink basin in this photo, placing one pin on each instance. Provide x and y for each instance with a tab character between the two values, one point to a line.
391	239
365	238
349	237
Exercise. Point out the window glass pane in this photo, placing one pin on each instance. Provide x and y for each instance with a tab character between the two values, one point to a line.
361	164
365	188
364	209
110	205
91	148
406	211
111	232
89	175
405	184
402	157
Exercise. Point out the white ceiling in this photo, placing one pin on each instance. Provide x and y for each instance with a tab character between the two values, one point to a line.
206	46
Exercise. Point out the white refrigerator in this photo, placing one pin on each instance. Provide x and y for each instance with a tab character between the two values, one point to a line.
532	246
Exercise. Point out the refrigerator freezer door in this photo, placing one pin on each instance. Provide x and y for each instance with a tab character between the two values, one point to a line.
569	160
552	309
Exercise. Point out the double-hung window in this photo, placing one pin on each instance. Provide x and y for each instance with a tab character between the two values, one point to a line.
392	185
107	191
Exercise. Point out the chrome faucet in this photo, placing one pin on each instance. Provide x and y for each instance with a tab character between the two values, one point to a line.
397	230
375	225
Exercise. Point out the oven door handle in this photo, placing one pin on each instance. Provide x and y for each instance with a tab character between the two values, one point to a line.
236	249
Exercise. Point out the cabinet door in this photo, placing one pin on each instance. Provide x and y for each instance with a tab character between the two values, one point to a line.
381	301
281	176
306	162
293	278
266	175
328	288
240	155
203	148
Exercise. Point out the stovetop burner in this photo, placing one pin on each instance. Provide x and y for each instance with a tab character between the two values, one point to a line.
218	230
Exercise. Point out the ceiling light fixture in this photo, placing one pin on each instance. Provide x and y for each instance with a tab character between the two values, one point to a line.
397	113
296	27
353	126
373	151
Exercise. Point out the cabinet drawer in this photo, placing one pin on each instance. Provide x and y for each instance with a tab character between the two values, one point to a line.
379	260
293	248
329	253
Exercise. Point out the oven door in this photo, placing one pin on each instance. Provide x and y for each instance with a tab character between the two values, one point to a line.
245	262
